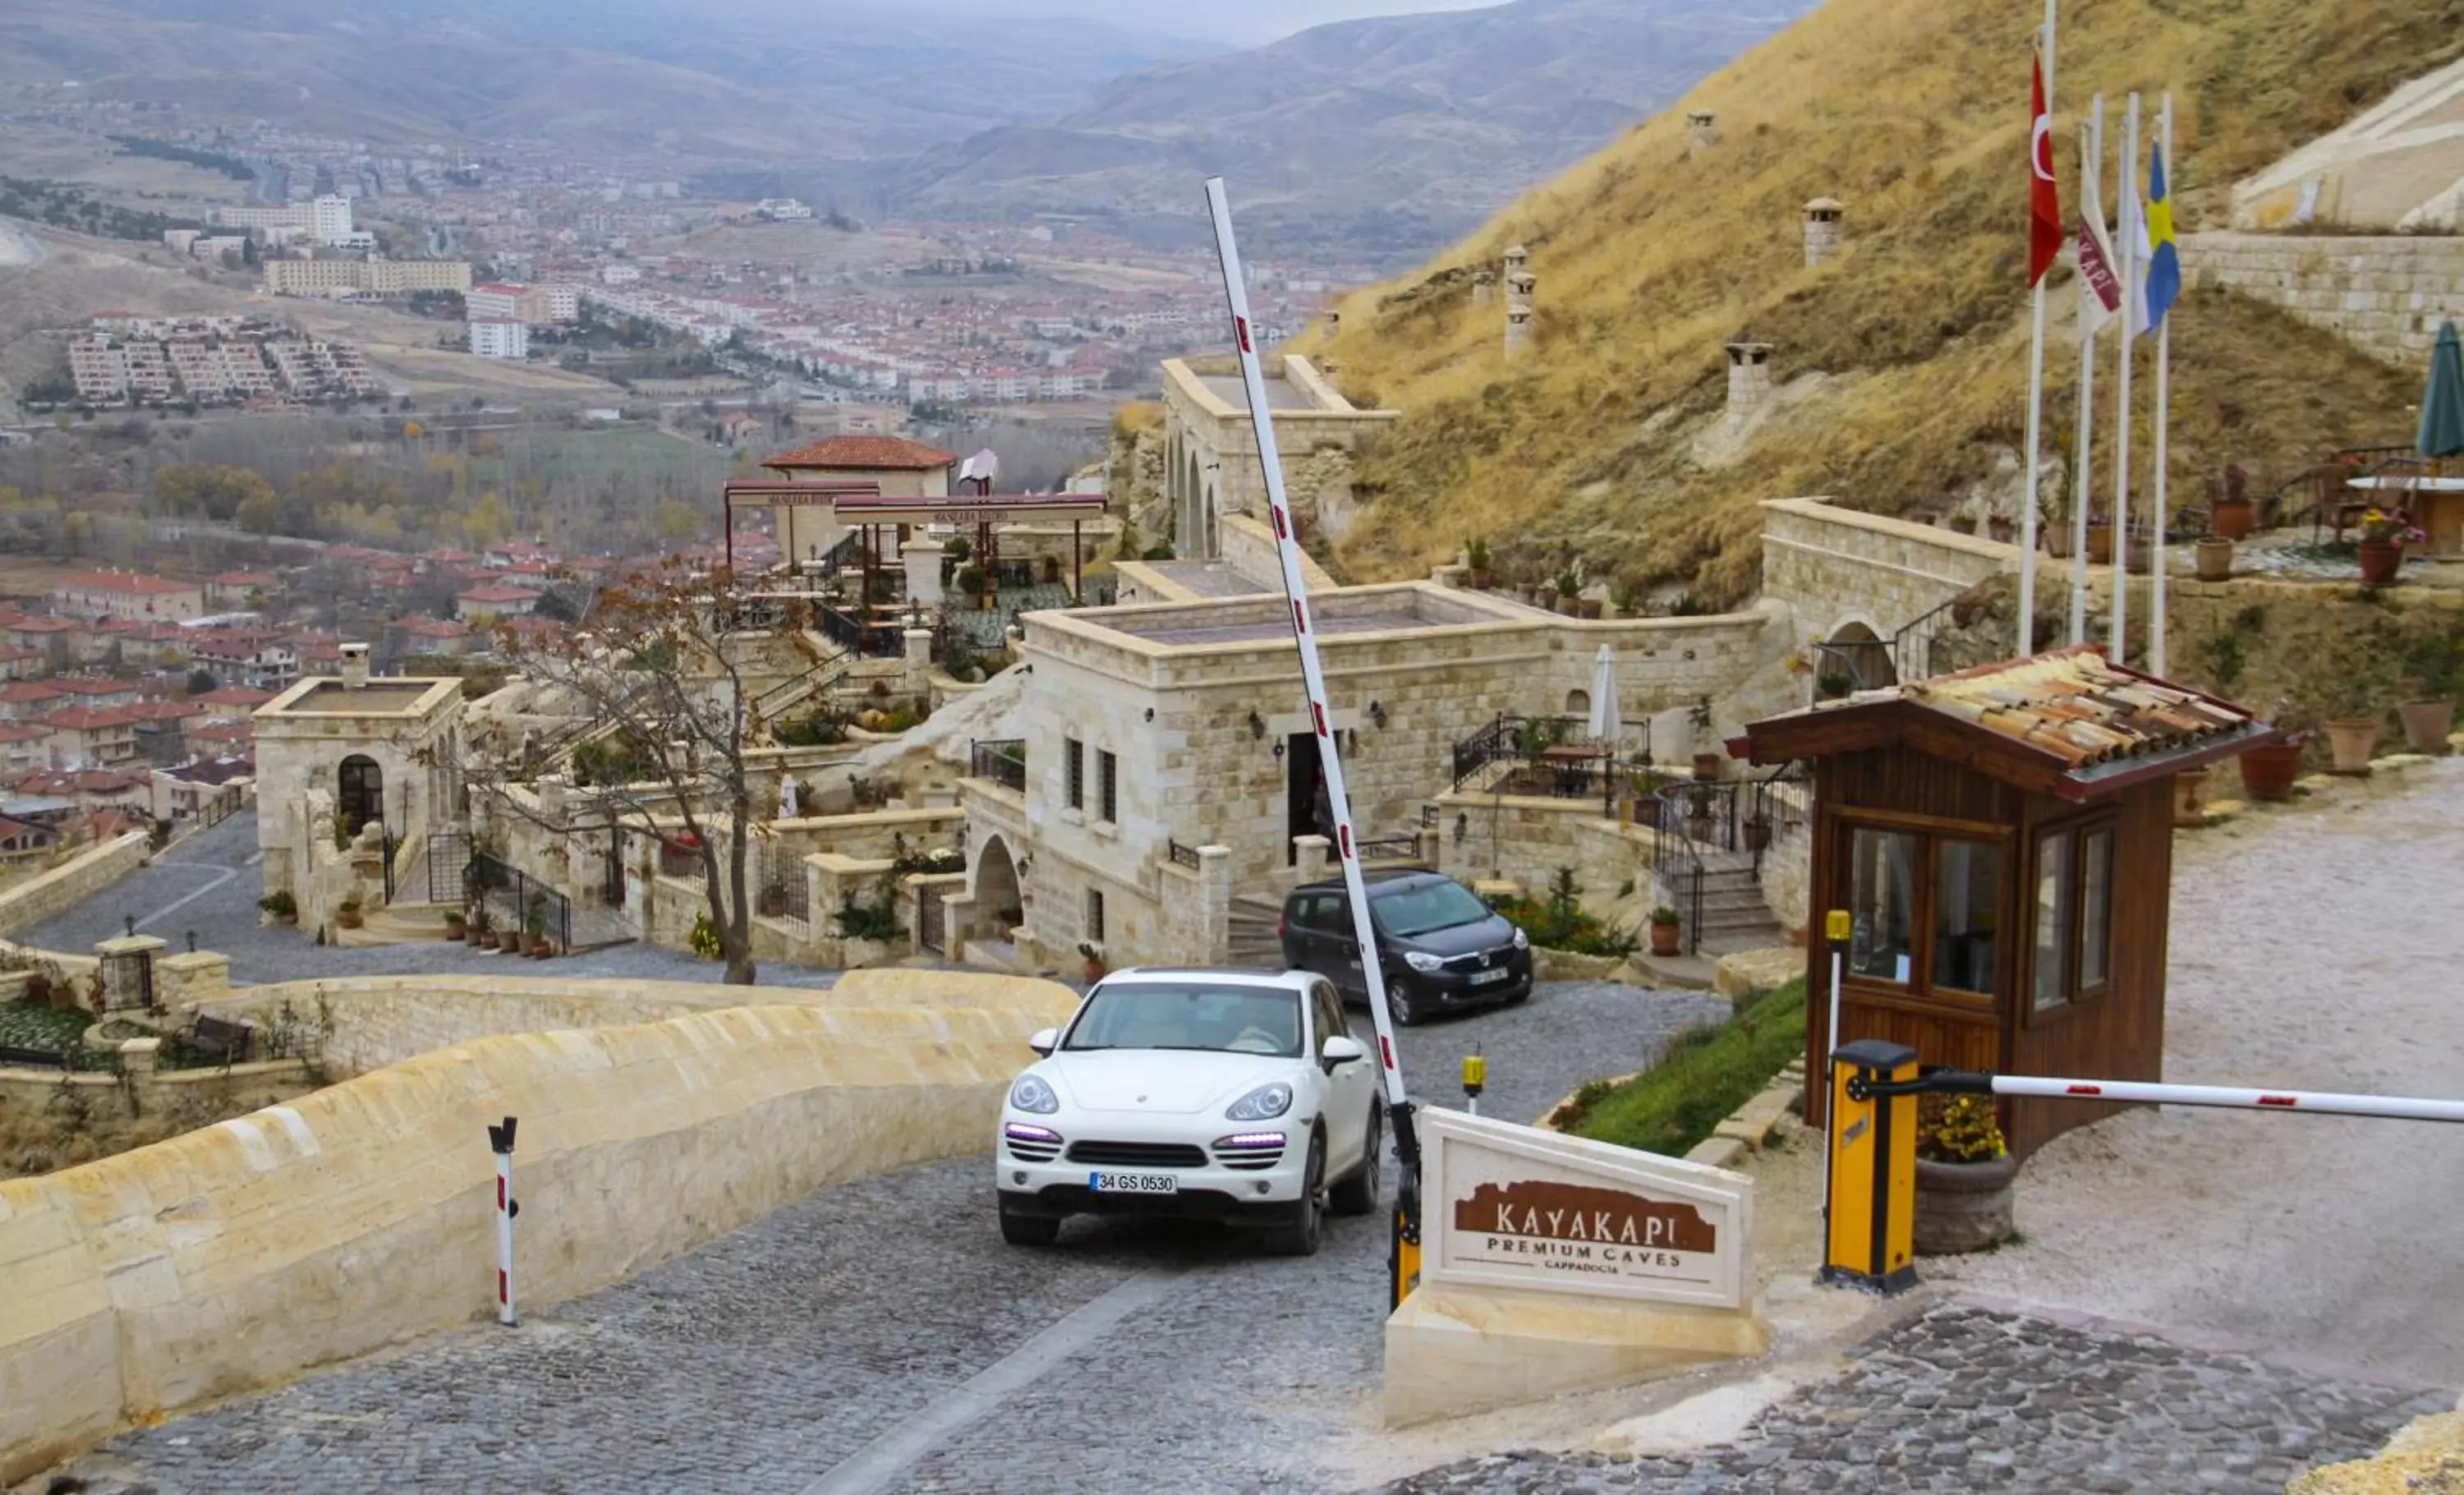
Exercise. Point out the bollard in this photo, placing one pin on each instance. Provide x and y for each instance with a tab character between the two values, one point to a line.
1475	1075
1869	1219
500	1141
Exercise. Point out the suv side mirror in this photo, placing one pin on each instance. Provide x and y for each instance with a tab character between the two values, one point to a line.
1342	1048
1044	1041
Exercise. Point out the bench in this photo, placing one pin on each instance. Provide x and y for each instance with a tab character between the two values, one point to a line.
12	1057
223	1041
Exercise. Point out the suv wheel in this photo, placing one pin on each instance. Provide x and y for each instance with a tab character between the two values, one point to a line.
1300	1237
1357	1195
1028	1230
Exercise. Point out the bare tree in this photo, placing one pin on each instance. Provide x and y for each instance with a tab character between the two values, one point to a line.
657	683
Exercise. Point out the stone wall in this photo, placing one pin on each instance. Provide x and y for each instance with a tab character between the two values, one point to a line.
362	1214
1526	838
1834	566
64	887
1249	549
2385	293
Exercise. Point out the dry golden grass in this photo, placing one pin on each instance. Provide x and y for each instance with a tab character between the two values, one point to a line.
1914	113
68	1128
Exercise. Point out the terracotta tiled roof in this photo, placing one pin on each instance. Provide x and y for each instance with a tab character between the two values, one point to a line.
864	454
2075	705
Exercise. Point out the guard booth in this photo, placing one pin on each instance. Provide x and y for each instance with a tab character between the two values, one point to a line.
2002	838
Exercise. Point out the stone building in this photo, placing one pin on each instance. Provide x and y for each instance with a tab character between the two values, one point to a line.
1211	465
899	468
346	768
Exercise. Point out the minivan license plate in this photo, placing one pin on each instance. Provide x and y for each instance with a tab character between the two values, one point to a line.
1132	1184
1487	977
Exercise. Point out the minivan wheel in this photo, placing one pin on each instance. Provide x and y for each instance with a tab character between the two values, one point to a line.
1399	1005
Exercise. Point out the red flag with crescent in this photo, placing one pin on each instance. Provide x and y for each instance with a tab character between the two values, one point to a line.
2044	209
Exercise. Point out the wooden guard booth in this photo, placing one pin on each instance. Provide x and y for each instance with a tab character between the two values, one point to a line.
2002	838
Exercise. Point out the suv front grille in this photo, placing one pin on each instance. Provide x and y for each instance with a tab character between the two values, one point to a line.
1032	1152
1481	960
1138	1154
1249	1160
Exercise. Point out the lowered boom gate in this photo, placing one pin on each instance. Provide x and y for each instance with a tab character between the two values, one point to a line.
1403	1261
1871	1206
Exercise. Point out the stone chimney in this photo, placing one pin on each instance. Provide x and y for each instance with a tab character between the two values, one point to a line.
1333	323
1519	286
1699	133
1749	375
1518	328
1821	229
1517	258
355	665
1484	284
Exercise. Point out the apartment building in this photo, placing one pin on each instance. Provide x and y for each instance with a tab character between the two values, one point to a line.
100	370
346	277
126	594
499	337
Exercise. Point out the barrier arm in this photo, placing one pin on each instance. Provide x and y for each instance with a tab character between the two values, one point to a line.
1403	1266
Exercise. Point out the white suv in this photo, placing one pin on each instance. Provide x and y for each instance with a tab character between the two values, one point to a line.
1236	1096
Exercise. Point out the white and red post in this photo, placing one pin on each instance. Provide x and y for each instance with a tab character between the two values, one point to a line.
500	1141
2395	1107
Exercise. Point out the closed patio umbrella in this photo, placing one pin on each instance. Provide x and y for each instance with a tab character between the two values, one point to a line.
2442	399
1607	723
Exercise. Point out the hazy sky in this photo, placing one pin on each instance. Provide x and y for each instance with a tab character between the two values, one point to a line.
1247	21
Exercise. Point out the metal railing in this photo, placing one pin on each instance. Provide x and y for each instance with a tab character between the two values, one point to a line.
509	896
784	894
1391	848
788	691
1001	759
1182	856
1526	741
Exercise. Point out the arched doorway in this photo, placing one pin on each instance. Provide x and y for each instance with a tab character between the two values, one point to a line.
359	792
1193	517
1856	652
995	891
1578	703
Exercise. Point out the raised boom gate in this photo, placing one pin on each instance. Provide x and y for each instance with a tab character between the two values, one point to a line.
1403	1263
1870	1209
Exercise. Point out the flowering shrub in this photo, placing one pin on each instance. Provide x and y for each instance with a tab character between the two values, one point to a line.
703	941
2390	527
1959	1129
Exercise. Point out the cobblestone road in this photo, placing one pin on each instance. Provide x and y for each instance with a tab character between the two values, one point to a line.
769	1359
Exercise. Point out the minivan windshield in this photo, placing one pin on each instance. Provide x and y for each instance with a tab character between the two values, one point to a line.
1233	1020
1418	910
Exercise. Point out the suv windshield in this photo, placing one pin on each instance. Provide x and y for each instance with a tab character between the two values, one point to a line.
1236	1020
1419	909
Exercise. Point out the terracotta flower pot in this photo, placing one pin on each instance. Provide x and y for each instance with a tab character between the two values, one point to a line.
2380	560
1963	1206
2215	558
509	942
542	947
2350	740
1706	765
1478	580
2002	529
2427	724
1663	938
349	918
2056	537
2099	544
1758	834
2233	518
2190	798
2269	769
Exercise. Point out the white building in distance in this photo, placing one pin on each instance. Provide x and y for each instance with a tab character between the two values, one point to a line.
499	337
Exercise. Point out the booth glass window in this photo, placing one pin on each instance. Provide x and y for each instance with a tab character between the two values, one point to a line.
1967	900
2074	909
1881	896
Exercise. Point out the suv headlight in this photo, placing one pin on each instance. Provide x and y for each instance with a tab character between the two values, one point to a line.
1422	960
1522	941
1029	1093
1263	1103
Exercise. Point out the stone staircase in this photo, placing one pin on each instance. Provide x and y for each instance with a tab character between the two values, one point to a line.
1734	916
396	924
1255	944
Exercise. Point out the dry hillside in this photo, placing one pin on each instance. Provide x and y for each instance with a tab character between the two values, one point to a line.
1905	358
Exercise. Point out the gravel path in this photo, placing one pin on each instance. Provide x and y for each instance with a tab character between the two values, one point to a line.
2311	950
771	1357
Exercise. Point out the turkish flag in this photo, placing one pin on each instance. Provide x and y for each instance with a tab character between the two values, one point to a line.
2044	209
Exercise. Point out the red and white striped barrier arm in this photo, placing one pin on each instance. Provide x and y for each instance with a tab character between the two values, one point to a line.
2399	1107
1253	379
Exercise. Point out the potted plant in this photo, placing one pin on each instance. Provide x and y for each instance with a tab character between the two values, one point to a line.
346	913
2002	528
478	931
2099	541
1475	568
1835	684
1664	925
2428	708
2383	535
2214	555
38	986
2233	515
1568	585
280	907
1706	761
2268	769
457	925
971	580
1095	957
1963	1176
2350	741
774	899
509	940
535	926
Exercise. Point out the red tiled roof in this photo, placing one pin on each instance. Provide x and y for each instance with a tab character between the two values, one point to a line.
123	581
232	695
497	594
29	691
85	718
864	454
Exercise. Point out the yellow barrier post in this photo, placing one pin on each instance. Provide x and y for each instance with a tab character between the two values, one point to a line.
1403	1251
1870	1215
1475	1076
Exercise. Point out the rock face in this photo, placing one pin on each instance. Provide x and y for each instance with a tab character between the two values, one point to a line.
2425	1457
1394	133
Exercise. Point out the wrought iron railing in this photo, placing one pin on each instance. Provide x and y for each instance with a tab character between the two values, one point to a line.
1001	760
1182	856
1391	848
512	896
1528	741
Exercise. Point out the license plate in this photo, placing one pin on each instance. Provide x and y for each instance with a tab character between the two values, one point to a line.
1132	1184
1489	977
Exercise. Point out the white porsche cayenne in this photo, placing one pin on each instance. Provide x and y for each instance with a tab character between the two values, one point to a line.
1236	1096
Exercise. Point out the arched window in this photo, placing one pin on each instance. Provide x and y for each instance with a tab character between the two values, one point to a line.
359	792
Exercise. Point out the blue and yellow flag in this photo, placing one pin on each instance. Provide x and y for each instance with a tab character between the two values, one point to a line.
2164	255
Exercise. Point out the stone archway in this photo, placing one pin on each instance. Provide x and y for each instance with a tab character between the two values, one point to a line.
1193	517
359	792
1864	656
1578	703
993	889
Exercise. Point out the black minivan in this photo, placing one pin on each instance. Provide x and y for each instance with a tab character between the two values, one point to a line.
1439	945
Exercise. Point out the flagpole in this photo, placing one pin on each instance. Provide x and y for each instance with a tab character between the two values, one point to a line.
2118	636
2164	400
2083	448
2035	400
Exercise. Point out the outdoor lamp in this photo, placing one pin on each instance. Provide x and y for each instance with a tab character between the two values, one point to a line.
1257	725
1377	714
1463	826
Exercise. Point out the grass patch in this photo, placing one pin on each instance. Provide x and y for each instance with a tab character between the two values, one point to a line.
1707	1073
28	1024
